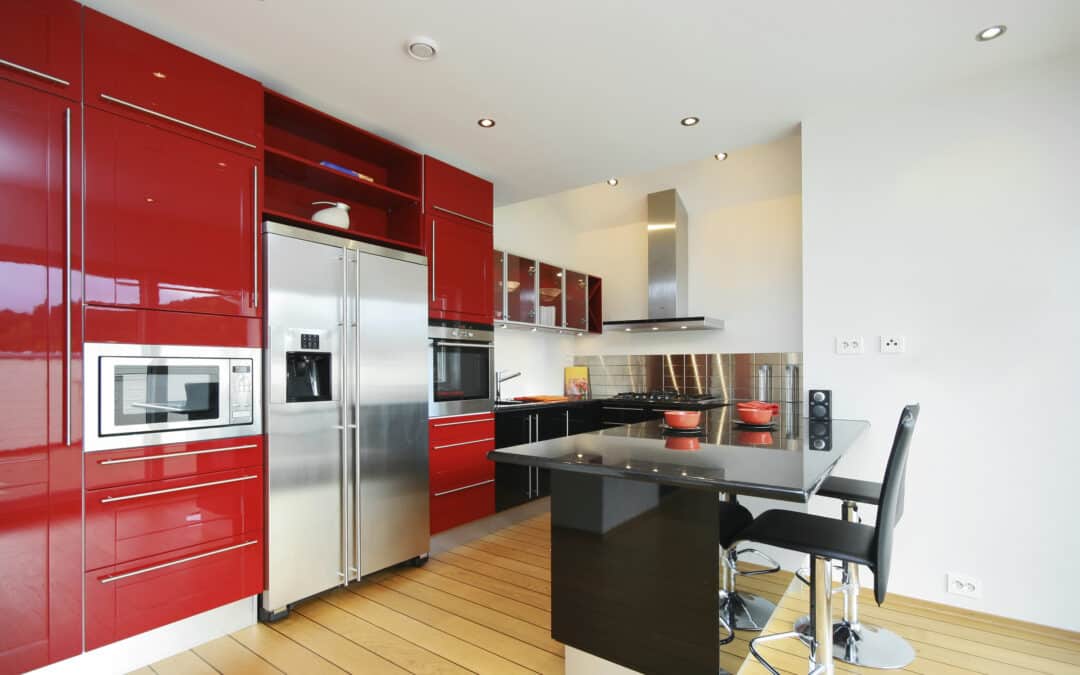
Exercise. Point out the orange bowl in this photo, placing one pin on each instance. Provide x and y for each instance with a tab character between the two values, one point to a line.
755	415
682	443
682	419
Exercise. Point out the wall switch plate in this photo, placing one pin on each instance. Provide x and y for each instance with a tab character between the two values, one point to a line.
962	584
849	344
892	344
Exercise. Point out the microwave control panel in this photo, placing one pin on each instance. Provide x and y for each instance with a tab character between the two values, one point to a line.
241	391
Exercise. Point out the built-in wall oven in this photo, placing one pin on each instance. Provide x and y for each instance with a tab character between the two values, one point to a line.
140	395
462	378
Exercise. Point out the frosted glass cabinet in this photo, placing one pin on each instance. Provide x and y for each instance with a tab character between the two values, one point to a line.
536	295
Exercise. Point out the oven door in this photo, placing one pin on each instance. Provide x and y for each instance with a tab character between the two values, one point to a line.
462	377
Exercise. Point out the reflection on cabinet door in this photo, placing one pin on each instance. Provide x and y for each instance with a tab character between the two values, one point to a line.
521	289
577	292
41	45
170	223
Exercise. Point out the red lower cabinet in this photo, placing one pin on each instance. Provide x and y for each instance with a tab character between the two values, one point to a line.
125	600
462	477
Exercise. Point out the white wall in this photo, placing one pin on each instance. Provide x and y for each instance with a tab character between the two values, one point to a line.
744	259
951	219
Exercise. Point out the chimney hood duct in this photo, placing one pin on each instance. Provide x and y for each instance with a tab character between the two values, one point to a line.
667	231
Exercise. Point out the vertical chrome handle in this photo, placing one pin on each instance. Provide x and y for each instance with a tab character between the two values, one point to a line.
67	275
344	408
255	242
568	421
356	427
432	261
529	493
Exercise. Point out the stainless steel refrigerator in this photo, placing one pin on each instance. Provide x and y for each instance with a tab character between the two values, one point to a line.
346	422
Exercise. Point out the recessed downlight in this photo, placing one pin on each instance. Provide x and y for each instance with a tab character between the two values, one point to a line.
689	121
720	156
987	34
422	48
612	181
486	122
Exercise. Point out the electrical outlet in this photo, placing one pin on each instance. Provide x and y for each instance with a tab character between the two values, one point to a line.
850	344
961	584
892	344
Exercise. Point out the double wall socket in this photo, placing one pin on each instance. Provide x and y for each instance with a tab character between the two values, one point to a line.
962	584
850	344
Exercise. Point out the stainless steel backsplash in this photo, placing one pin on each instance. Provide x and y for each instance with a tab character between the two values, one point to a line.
732	377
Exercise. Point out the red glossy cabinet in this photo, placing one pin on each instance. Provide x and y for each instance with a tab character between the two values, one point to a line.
133	73
449	189
462	477
170	221
40	424
460	267
41	45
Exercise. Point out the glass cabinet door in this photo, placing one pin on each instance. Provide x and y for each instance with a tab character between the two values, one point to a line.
551	292
577	291
500	288
520	289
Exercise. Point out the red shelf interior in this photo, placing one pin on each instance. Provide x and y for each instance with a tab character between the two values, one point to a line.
596	305
289	219
299	137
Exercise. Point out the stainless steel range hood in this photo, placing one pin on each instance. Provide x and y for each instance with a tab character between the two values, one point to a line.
667	230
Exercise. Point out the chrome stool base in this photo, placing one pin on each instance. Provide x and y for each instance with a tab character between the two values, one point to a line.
868	646
750	612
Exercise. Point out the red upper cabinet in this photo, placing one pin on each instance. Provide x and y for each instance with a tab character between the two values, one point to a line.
171	221
40	425
41	45
449	189
460	268
136	74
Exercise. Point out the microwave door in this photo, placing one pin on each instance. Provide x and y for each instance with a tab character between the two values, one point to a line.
147	395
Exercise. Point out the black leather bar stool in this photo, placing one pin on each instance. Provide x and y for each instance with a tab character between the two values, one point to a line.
828	539
855	642
740	610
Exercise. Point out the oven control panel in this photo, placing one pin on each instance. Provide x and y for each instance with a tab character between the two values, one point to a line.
241	391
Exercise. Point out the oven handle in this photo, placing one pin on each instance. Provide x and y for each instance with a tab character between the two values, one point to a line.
475	345
166	408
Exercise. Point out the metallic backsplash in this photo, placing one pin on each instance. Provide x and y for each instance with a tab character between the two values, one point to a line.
771	376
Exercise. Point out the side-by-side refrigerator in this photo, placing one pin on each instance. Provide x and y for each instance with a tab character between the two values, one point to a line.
346	403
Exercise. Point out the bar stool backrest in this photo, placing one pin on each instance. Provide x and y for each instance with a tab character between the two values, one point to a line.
892	498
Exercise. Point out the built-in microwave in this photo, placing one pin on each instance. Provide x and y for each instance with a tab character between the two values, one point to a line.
462	374
137	395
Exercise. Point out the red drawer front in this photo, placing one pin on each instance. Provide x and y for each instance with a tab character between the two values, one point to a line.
160	462
136	67
443	430
42	36
155	597
133	325
450	188
143	520
463	506
460	465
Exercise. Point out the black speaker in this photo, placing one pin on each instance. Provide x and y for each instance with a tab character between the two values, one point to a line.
820	423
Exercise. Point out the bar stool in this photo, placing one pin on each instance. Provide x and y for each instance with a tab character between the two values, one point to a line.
828	539
740	610
854	642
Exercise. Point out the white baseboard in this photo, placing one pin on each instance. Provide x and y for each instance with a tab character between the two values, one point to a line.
141	650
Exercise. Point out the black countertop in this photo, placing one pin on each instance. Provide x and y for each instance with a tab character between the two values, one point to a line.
777	464
639	405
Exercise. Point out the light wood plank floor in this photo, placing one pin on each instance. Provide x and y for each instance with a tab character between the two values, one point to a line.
485	607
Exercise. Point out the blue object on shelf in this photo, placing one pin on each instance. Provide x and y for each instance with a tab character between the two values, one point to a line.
341	169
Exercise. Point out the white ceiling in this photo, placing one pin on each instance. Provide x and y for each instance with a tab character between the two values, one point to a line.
586	89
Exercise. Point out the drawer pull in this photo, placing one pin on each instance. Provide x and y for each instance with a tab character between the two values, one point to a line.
189	125
118	577
454	445
466	487
125	460
454	424
35	73
109	500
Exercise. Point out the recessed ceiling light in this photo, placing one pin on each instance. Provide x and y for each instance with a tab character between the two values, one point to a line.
422	48
486	122
612	181
987	34
689	121
720	156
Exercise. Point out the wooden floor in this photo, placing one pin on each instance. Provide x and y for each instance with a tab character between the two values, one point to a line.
484	607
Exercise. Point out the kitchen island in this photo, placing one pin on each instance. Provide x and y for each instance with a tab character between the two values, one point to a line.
636	528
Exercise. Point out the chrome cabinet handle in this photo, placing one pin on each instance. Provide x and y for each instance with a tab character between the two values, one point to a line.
344	426
67	271
432	261
356	408
125	460
118	577
465	487
175	120
455	445
462	215
530	491
567	421
183	488
35	73
474	345
255	240
454	424
614	407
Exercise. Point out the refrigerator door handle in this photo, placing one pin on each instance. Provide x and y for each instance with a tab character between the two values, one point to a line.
343	408
356	416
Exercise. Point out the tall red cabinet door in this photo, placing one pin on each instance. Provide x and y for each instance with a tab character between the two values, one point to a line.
41	45
40	454
170	221
461	269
